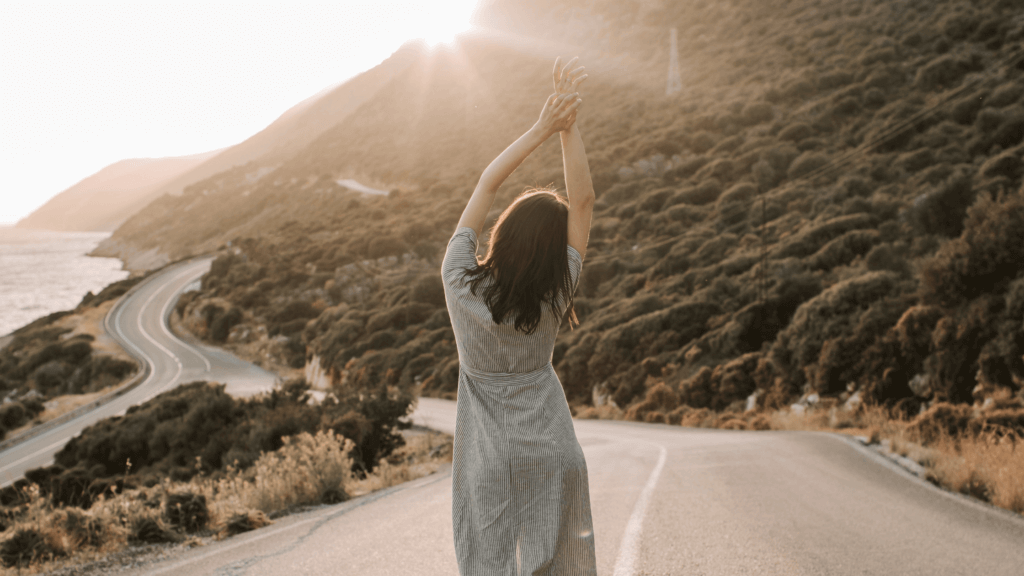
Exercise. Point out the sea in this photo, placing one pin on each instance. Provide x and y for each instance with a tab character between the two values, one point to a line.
43	272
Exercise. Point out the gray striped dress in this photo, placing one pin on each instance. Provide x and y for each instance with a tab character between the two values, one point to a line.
520	497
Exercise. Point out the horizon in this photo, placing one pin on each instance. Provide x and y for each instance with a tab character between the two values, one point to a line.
139	91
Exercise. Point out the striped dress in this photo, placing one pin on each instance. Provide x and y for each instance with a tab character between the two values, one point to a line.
520	497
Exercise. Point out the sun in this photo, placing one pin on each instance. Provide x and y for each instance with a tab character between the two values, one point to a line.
444	19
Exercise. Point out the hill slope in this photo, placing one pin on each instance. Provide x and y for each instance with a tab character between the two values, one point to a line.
302	123
831	207
106	199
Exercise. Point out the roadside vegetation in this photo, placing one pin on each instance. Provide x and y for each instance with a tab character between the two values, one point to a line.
195	463
55	357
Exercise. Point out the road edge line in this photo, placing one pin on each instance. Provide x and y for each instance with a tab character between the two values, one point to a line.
128	386
909	474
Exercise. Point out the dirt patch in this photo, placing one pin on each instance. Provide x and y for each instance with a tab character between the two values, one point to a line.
90	321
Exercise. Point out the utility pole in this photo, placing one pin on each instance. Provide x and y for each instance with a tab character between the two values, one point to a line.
675	82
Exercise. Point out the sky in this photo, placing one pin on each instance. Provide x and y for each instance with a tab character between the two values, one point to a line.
84	85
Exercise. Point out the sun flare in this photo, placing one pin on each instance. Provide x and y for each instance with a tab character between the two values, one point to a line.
446	19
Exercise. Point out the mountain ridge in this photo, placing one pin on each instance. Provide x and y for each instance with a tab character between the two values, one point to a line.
104	200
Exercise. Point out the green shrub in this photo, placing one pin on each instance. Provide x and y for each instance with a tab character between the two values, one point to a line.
429	290
942	210
1006	94
187	510
943	72
843	249
986	256
222	324
820	318
959	25
757	113
701	142
915	161
721	169
965	110
805	164
810	238
24	548
13	414
741	192
148	530
1006	165
796	132
705	193
834	79
687	167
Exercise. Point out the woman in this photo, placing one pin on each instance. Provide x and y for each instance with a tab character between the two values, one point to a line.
520	497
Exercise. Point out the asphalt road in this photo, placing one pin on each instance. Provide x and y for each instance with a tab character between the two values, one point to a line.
666	500
139	324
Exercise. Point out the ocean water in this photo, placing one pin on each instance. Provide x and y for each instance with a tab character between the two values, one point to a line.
43	272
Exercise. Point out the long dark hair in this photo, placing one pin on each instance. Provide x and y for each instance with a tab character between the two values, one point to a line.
527	262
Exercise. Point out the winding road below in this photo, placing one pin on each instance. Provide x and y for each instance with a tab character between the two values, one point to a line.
666	500
139	324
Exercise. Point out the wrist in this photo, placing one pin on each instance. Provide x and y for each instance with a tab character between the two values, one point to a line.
539	132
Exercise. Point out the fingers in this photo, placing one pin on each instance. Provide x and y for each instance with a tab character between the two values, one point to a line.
554	73
568	67
576	83
567	101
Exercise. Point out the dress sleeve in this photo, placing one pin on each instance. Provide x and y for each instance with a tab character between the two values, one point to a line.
575	267
460	255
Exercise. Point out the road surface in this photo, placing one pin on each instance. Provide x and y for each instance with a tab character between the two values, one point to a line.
139	323
666	500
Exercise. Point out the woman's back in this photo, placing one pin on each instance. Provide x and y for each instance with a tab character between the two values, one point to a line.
483	345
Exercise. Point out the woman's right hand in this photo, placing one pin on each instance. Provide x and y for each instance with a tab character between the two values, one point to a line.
559	113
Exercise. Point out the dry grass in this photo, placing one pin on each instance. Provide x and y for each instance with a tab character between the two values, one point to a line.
986	466
422	455
307	470
603	412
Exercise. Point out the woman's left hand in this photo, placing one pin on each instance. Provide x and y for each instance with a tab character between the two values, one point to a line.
567	79
559	113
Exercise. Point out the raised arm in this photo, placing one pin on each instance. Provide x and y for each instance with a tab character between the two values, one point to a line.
558	114
578	185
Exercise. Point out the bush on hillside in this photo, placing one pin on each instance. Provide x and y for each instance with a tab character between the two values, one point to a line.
187	510
942	210
986	256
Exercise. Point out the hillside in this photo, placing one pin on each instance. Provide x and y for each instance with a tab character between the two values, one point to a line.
301	124
830	208
263	151
106	199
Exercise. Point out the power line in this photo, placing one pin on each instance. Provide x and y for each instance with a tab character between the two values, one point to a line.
842	161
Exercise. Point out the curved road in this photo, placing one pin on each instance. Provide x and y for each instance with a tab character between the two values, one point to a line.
139	323
666	500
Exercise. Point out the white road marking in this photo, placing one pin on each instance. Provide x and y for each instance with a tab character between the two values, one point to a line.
163	326
138	322
33	455
115	324
625	564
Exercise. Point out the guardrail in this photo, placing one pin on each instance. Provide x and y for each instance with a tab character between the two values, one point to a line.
138	378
